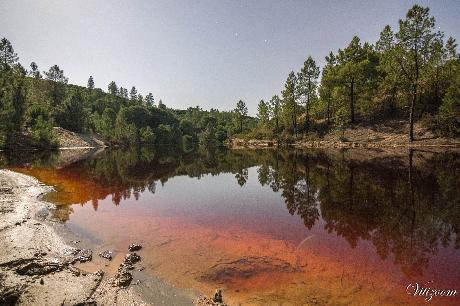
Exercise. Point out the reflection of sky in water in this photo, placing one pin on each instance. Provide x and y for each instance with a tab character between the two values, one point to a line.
216	201
368	223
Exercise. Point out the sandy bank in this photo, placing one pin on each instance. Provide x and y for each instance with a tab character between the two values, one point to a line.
39	264
391	134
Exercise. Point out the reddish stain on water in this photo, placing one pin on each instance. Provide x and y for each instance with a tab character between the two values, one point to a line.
211	233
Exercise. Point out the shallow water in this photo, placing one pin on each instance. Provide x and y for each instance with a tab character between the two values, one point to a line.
270	227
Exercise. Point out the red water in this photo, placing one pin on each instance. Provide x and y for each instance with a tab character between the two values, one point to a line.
212	233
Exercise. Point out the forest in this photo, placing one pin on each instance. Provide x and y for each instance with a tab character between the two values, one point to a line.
411	73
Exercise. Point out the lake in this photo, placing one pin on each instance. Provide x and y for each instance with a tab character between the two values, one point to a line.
269	227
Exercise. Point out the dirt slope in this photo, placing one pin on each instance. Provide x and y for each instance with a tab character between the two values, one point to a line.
68	139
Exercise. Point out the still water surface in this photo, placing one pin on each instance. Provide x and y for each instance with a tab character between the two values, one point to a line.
270	227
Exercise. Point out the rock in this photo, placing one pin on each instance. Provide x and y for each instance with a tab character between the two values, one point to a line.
42	282
123	278
134	247
206	301
131	258
80	255
38	267
217	296
6	189
106	254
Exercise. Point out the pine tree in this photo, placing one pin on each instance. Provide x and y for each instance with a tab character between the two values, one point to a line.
112	88
307	82
275	110
90	82
149	99
414	42
34	72
133	94
241	111
263	114
289	102
8	57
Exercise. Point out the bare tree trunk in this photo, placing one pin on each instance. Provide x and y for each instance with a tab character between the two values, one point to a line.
411	113
414	99
295	117
352	101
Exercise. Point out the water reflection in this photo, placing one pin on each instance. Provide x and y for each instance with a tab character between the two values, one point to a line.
406	205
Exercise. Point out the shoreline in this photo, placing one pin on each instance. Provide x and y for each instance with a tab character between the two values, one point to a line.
39	260
238	143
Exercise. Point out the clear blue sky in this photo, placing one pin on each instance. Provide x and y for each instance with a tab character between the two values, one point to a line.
193	52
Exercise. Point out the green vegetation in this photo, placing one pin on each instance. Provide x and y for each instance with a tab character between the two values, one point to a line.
32	103
411	75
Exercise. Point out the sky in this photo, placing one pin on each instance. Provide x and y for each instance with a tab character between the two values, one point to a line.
200	52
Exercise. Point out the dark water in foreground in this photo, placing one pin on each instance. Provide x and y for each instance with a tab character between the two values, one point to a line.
271	227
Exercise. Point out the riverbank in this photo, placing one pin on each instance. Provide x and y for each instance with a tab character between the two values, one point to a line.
389	135
40	258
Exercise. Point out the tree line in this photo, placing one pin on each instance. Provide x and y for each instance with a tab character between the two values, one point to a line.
412	74
33	102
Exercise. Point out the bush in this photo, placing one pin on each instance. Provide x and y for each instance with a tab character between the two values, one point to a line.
188	142
43	134
147	136
448	118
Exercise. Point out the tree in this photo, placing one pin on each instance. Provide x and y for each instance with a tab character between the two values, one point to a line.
107	123
275	110
133	94
123	93
307	81
90	82
350	70
241	111
414	42
149	99
57	83
327	83
289	102
34	72
389	68
12	94
7	55
71	114
112	88
448	117
55	74
161	105
263	114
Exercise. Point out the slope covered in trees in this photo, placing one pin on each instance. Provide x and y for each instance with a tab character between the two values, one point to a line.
33	102
412	74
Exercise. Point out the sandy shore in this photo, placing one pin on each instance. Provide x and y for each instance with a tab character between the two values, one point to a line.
39	258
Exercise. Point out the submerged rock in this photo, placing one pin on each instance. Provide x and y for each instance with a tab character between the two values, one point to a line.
217	296
131	258
215	301
83	255
106	254
134	247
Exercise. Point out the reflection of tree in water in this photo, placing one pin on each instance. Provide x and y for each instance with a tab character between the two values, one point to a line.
406	211
408	208
242	177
